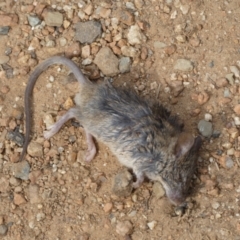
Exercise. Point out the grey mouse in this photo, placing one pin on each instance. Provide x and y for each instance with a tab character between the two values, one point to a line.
142	135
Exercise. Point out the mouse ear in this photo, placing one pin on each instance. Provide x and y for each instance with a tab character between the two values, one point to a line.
184	144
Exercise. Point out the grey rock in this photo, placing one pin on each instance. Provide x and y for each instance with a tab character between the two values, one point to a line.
158	190
16	137
229	162
8	70
205	128
21	170
124	64
183	65
33	20
87	32
53	19
3	230
122	184
226	93
107	62
8	51
216	134
4	30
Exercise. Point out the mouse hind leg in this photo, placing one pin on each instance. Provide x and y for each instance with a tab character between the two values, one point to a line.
52	130
140	178
91	151
73	113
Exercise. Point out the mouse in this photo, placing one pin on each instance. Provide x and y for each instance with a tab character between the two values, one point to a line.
143	135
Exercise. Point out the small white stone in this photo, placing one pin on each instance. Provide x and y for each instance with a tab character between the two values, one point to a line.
237	121
40	216
86	61
184	8
130	5
215	205
173	15
208	117
51	78
152	225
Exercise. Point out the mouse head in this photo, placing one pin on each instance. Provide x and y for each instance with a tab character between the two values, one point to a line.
181	167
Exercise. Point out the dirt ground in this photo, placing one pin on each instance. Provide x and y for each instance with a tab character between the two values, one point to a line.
65	198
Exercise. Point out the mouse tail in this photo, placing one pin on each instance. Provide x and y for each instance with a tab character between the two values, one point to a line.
31	82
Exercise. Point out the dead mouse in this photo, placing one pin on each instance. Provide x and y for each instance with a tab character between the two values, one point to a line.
142	135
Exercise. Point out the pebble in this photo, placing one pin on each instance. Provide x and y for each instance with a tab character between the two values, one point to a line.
4	59
135	35
235	71
5	89
21	170
237	109
8	70
170	49
14	181
183	65
108	207
236	121
226	93
159	45
48	120
87	32
4	185
16	137
124	16
34	44
122	184
184	8
33	191
230	78
129	51
3	230
158	190
40	216
124	64
18	199
226	161
53	19
86	51
202	98
152	225
221	82
9	19
124	228
181	38
35	149
4	30
205	128
68	103
139	3
33	20
208	117
107	62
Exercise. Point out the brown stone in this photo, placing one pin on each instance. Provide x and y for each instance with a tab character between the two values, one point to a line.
124	16
18	199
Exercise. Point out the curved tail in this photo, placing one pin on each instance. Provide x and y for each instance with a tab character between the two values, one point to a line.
31	82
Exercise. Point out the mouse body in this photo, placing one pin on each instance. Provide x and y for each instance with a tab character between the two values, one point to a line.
143	135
